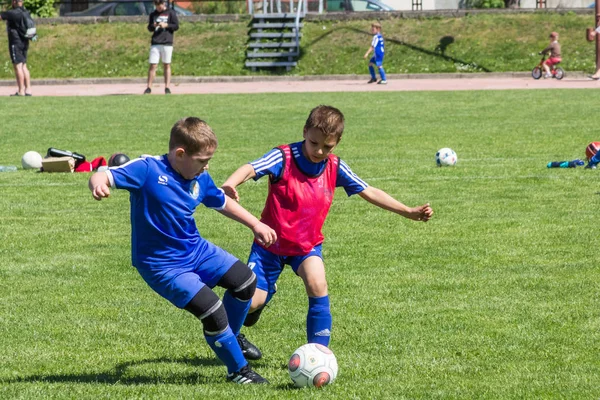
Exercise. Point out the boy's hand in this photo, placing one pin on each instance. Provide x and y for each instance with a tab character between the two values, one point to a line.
231	192
100	191
264	235
421	213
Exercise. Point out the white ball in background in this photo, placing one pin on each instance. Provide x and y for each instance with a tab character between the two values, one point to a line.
31	160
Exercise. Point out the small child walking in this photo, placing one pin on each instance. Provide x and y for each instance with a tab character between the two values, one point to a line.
378	47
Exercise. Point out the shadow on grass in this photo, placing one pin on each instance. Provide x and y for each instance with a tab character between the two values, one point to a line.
439	51
121	375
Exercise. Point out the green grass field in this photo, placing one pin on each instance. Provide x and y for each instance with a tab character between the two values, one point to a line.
496	297
474	43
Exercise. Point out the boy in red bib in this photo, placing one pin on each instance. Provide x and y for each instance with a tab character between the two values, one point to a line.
302	181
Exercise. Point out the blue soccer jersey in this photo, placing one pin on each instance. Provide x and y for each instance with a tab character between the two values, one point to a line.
163	229
378	45
272	164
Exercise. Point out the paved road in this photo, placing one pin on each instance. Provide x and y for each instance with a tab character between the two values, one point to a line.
101	87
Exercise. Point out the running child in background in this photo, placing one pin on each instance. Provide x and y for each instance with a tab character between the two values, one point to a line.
378	47
302	181
167	249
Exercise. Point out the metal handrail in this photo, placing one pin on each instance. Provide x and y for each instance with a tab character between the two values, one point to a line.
298	12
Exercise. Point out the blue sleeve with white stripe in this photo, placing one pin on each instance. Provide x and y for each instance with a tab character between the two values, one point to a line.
347	179
129	176
269	164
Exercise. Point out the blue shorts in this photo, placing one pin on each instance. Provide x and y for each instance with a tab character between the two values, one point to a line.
268	266
180	285
376	60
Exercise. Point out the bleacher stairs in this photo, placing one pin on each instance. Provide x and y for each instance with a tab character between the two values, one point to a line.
274	41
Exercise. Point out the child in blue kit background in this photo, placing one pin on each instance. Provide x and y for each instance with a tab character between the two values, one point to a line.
302	181
167	249
378	47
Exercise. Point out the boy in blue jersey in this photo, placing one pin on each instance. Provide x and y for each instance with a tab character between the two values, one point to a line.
167	249
302	180
378	47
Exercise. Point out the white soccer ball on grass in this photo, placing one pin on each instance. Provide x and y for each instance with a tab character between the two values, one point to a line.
445	157
312	365
31	160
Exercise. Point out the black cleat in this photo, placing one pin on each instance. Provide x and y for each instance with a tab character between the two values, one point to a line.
372	80
147	91
250	351
167	90
245	376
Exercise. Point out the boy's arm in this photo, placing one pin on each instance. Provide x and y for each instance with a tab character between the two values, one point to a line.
241	175
151	24
99	185
173	22
546	50
263	234
383	200
368	52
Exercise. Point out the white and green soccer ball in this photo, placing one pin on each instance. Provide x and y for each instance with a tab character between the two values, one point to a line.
445	157
312	365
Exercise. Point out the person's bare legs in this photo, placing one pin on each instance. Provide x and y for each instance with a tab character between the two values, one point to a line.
596	75
19	75
547	69
151	74
167	71
26	79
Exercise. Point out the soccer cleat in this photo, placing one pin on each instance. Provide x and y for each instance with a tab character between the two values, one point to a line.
167	90
590	166
147	91
246	375
372	80
382	82
250	351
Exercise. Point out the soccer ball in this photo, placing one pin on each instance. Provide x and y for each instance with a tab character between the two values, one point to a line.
445	157
592	149
117	159
31	160
312	365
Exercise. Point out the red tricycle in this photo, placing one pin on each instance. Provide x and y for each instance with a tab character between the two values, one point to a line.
538	71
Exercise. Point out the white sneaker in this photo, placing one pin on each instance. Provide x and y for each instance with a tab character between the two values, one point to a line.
547	76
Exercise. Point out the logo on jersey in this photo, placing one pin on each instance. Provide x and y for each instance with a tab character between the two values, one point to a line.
163	180
195	189
251	265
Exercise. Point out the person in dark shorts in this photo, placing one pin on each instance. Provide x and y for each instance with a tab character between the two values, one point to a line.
17	47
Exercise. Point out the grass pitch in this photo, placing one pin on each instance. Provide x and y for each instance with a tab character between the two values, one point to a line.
496	297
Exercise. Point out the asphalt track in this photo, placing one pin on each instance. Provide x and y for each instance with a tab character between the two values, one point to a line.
210	85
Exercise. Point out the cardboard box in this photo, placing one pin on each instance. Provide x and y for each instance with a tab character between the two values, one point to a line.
58	164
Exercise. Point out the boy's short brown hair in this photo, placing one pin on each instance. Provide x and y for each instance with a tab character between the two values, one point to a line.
193	135
328	119
157	2
376	25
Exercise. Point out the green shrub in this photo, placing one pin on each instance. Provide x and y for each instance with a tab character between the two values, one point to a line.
41	8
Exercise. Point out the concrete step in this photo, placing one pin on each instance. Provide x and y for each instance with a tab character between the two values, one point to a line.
268	64
272	54
273	35
276	25
271	45
277	16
